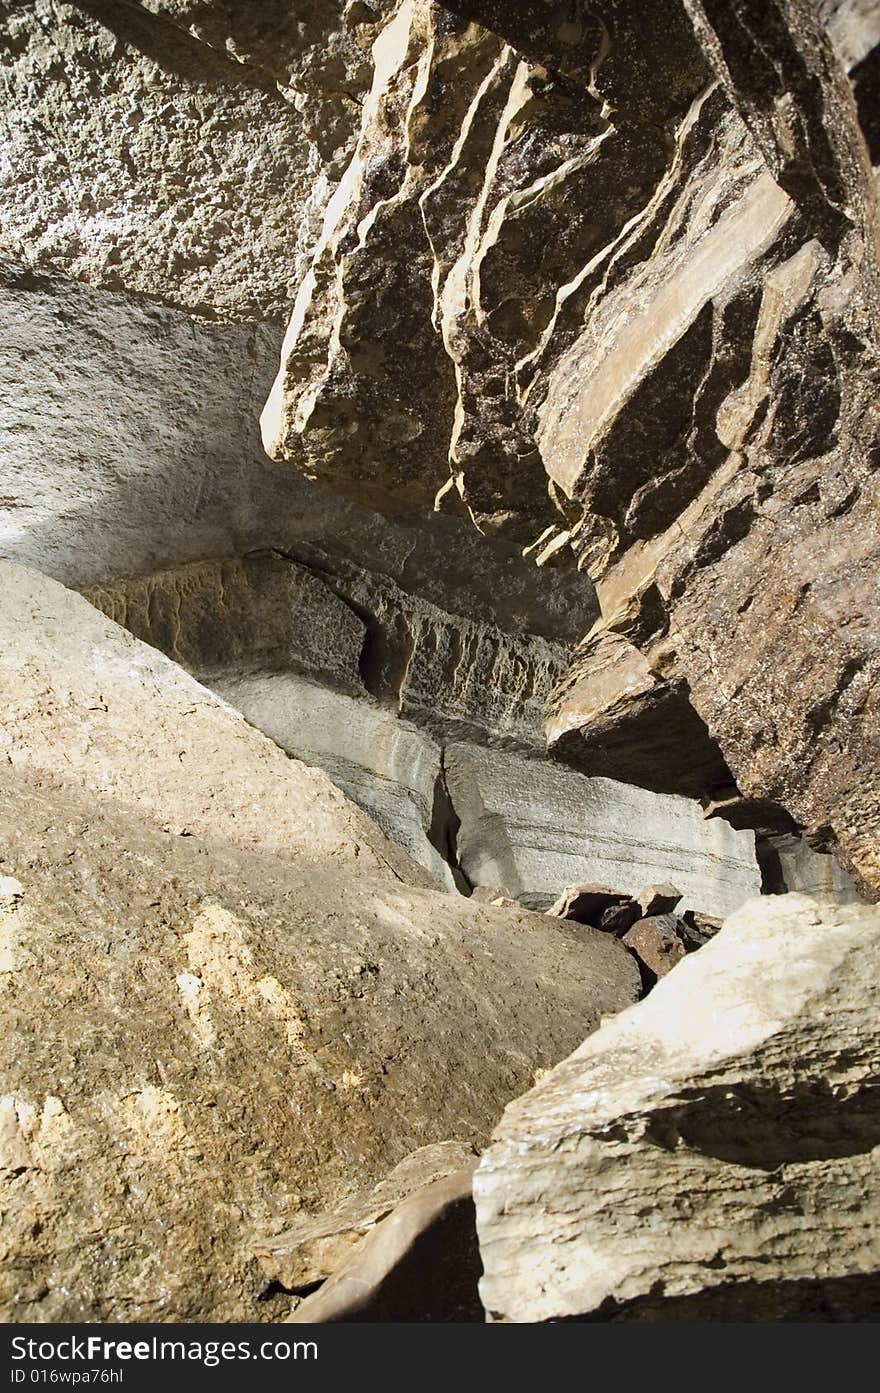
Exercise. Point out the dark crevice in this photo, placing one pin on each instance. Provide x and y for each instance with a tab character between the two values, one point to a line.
445	824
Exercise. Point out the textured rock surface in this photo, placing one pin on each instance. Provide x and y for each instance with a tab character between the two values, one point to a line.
318	1245
734	1178
355	631
616	278
226	998
656	945
389	768
180	149
420	1264
130	442
134	730
532	829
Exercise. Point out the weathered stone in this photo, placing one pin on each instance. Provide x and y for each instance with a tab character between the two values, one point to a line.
227	1000
388	767
657	944
133	730
808	872
184	150
650	260
256	614
586	903
532	827
696	929
420	1264
658	899
317	1246
749	1143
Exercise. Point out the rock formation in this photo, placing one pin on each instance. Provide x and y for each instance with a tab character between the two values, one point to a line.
639	272
226	998
438	482
712	1152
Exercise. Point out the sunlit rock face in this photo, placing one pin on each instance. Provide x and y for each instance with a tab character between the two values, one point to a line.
608	277
728	1178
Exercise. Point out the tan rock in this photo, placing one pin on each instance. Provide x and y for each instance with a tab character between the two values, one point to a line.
317	1246
226	1001
711	1153
132	729
421	1264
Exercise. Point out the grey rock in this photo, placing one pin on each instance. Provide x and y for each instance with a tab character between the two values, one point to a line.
532	827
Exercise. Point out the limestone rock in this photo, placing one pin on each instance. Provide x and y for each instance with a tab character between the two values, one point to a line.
420	1264
733	1179
253	614
658	899
202	1044
808	872
613	284
227	1000
182	150
317	1246
133	730
388	767
532	828
586	903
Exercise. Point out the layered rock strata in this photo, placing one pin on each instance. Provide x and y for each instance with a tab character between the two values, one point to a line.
483	817
637	270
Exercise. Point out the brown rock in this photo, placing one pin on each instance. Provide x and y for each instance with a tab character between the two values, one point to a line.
228	1002
658	899
656	943
317	1246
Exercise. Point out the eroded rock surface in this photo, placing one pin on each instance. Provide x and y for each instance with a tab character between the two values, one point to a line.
733	1178
227	1000
533	828
612	280
184	150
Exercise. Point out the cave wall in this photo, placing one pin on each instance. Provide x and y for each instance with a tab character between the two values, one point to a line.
630	322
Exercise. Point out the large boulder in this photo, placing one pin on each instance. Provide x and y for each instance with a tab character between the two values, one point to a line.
227	1001
532	828
713	1152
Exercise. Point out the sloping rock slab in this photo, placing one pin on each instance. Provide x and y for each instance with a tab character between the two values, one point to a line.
713	1152
420	1264
316	1246
201	1044
131	728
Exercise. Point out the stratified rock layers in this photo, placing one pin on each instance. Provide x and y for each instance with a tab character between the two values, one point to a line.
613	281
711	1153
